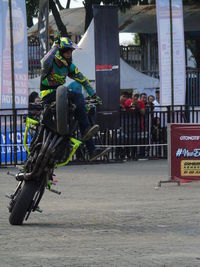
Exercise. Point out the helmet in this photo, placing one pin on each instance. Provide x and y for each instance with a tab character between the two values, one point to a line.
65	44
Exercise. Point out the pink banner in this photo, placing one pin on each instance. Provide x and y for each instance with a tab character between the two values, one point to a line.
20	56
185	152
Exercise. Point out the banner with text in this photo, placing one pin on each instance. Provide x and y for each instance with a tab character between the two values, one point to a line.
20	55
164	46
185	152
107	62
7	146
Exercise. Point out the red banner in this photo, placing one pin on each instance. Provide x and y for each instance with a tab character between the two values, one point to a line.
185	152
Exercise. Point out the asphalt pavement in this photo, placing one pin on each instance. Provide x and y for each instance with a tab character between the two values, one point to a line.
107	215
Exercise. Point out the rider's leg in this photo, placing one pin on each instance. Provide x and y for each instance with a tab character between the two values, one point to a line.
80	114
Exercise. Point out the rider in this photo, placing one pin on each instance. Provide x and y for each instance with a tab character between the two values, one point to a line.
56	66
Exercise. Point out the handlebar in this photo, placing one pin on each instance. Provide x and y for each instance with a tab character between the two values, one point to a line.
92	102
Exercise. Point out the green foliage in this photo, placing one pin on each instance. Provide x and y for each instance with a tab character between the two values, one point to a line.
189	2
32	9
136	39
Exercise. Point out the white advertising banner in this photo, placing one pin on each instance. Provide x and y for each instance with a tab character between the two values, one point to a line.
20	55
164	45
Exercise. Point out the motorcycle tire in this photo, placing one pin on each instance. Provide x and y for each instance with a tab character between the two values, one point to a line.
62	110
23	203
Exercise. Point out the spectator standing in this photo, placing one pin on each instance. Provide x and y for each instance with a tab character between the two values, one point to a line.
34	98
156	103
157	100
134	103
135	121
150	101
123	97
143	98
34	105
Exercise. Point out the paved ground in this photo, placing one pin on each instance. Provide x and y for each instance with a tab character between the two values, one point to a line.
107	215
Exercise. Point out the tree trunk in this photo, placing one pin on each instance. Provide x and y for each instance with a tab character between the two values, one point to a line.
59	5
89	11
68	3
61	27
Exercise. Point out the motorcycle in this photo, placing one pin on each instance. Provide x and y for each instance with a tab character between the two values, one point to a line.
51	146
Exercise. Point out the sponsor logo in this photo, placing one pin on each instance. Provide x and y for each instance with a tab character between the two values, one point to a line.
189	138
106	67
190	168
195	153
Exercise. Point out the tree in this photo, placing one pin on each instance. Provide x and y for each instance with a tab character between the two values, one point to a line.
136	39
32	9
60	25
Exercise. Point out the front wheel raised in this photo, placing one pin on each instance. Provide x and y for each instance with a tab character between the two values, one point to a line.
23	203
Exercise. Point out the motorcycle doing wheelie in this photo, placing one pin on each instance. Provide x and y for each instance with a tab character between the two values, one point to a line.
52	145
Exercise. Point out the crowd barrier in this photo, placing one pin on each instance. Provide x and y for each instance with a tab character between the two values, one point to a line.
139	136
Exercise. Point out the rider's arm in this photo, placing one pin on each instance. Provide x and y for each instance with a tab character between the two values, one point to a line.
47	60
76	75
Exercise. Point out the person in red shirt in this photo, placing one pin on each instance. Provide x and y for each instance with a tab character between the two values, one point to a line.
123	97
143	98
135	122
134	103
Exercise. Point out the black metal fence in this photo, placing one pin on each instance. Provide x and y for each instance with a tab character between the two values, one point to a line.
138	136
193	87
141	58
33	57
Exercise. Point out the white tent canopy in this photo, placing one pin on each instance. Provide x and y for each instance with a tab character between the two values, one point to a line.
84	59
131	78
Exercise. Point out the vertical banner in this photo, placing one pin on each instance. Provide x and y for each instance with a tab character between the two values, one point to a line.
20	55
184	152
107	62
1	29
43	25
179	53
164	45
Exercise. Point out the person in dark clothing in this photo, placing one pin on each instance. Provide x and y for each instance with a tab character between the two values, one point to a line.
34	98
56	66
34	105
